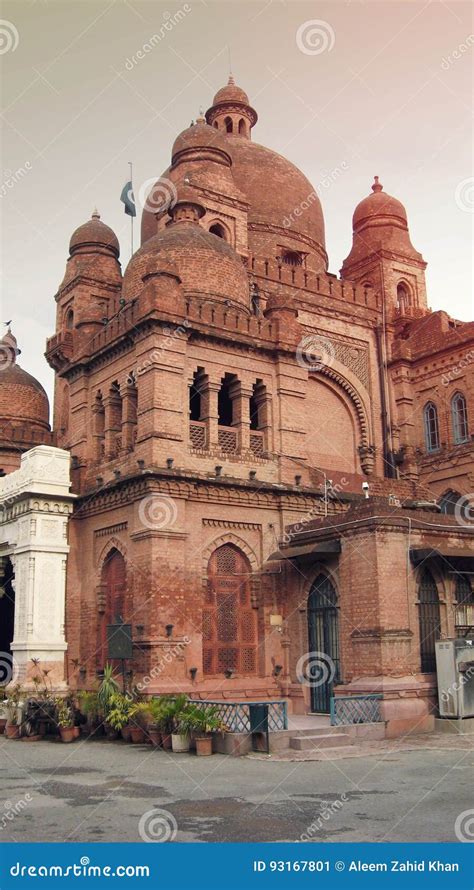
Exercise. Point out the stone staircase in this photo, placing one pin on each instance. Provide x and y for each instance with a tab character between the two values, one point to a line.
309	733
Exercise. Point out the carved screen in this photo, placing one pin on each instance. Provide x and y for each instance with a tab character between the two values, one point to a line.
229	622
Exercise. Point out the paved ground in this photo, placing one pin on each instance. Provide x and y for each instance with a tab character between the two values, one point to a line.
99	791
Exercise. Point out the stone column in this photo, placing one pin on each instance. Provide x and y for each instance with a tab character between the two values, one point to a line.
240	395
129	416
210	412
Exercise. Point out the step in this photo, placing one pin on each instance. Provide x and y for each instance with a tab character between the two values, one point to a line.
313	742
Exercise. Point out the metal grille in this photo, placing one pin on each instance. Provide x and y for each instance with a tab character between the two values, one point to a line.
429	620
227	439
323	637
356	709
464	602
197	435
229	622
256	443
236	715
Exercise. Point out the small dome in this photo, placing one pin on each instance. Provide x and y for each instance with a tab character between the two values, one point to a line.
201	137
230	93
380	209
207	265
23	400
94	237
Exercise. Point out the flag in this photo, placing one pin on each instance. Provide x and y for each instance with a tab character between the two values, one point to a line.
128	199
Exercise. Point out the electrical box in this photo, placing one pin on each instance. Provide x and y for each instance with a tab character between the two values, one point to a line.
455	670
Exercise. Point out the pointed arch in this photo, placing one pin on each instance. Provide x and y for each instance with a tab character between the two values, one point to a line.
229	538
229	623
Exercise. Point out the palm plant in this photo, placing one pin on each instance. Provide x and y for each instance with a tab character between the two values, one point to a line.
107	689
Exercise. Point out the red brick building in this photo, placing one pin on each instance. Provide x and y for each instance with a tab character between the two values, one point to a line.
257	445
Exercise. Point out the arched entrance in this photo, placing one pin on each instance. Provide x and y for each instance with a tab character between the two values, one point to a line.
229	624
7	621
429	621
114	585
323	639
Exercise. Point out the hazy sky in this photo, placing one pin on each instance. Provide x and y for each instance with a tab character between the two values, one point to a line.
371	88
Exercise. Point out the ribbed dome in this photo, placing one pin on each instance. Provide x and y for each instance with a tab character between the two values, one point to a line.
201	136
230	93
379	209
206	264
94	237
22	397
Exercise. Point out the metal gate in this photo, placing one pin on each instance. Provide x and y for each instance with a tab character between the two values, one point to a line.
430	621
323	636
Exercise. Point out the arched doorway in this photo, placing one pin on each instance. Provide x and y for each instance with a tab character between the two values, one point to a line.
323	639
229	624
7	621
429	621
114	584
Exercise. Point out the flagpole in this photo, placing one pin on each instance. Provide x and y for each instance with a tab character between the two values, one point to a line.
131	217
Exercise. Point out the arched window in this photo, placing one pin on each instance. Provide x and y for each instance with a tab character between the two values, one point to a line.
429	621
98	426
323	643
69	320
403	296
219	230
430	416
292	258
228	124
464	594
226	400
198	409
229	631
242	127
448	501
459	418
113	587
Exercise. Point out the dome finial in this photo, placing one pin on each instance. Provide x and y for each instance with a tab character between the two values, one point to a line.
95	214
377	186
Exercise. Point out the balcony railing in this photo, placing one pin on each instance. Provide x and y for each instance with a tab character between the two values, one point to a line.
197	434
228	439
257	443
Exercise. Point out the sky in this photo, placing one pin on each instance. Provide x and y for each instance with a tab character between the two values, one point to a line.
345	90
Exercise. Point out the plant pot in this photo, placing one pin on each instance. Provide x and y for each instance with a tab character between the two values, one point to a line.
154	736
77	731
12	731
126	730
203	745
166	741
110	732
3	723
179	743
137	735
67	734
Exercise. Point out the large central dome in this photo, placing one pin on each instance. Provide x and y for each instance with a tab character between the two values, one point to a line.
284	210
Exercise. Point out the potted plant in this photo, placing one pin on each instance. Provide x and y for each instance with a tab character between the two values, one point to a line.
183	725
139	717
13	705
120	711
89	706
65	720
3	714
207	721
169	708
108	688
156	709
